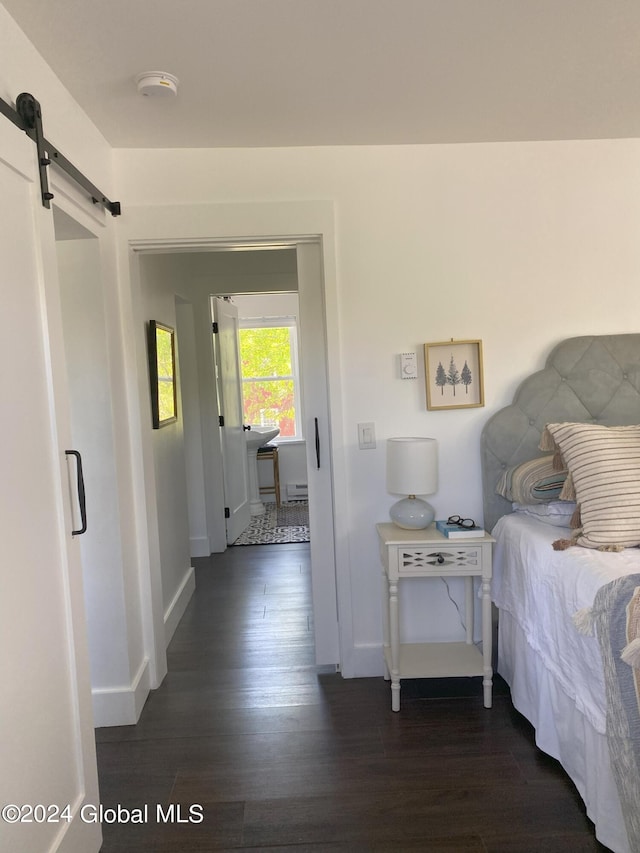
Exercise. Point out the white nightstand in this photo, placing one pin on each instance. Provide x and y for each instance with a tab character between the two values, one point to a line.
407	554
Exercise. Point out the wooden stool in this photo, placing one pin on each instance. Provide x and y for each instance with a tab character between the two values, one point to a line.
270	451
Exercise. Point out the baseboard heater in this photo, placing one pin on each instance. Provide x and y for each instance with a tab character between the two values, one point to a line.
297	491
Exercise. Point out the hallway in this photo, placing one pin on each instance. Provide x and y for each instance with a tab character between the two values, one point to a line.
282	755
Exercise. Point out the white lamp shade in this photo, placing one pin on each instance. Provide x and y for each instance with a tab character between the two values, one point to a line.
412	466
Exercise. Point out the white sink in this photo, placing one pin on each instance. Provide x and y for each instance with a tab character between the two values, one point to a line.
257	436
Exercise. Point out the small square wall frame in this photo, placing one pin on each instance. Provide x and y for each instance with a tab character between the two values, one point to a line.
454	375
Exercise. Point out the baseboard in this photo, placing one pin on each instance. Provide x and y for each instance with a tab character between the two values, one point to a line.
121	706
178	605
200	546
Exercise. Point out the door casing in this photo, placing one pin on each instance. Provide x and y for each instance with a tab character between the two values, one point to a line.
336	648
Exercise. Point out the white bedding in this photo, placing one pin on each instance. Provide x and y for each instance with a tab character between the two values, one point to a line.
542	589
554	671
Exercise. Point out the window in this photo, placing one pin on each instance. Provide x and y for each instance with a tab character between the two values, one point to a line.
270	382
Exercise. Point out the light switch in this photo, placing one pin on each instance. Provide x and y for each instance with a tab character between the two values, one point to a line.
366	436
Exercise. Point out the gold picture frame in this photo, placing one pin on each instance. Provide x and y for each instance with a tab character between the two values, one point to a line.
454	375
162	373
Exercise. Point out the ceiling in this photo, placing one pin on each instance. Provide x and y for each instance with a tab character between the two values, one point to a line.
257	73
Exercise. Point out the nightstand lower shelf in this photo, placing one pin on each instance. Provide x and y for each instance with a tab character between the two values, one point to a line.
437	660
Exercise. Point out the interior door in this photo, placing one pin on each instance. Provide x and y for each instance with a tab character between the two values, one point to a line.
47	746
234	449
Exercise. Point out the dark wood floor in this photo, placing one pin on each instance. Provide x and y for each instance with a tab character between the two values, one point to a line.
283	756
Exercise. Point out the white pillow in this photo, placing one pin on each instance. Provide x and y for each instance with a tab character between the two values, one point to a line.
556	513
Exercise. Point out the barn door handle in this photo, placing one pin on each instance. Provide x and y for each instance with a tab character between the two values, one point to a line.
317	443
81	495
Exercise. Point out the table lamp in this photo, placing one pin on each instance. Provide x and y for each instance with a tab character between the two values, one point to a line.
412	469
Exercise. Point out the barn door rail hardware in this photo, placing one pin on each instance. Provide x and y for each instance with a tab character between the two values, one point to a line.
28	117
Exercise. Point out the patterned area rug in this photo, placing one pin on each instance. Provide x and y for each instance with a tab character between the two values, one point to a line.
289	523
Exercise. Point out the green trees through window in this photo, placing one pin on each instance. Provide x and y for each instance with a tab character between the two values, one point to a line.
267	356
166	378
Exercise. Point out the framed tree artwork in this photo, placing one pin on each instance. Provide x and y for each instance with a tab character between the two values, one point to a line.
453	374
162	372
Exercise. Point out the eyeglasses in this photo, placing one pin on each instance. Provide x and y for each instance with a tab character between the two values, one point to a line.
461	522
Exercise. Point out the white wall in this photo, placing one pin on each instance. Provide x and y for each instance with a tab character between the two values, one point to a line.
519	245
65	125
191	411
171	501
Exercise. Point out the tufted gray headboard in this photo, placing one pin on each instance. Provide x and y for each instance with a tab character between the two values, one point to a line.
592	379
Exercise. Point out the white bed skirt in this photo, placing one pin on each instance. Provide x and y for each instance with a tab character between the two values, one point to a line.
563	732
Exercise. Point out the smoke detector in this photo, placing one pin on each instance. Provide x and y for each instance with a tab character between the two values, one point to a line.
157	84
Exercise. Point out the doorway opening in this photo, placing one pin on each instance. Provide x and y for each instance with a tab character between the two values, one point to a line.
86	360
169	271
271	399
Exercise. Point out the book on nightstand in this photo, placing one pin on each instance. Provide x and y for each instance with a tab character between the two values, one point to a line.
454	531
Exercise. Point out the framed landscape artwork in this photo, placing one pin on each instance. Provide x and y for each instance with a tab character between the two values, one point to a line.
453	374
162	373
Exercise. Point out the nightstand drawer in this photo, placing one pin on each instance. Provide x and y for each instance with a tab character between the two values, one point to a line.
421	561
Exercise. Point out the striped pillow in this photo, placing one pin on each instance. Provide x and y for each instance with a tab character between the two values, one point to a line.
532	482
604	465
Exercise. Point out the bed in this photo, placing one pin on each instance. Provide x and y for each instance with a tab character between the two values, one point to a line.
567	568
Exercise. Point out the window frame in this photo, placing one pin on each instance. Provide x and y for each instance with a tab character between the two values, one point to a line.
278	322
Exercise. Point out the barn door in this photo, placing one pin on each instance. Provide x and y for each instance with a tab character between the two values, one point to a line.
48	782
